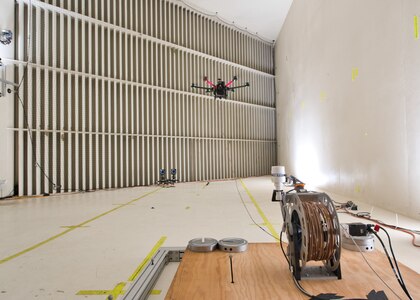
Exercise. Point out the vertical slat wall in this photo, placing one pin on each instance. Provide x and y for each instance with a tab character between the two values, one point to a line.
108	100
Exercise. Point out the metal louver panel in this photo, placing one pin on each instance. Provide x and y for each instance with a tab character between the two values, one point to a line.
108	102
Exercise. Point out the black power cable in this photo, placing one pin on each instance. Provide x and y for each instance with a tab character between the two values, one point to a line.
250	216
297	284
397	270
32	143
282	249
367	262
393	255
8	195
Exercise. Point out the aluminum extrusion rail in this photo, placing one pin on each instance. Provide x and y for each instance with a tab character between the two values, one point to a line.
141	287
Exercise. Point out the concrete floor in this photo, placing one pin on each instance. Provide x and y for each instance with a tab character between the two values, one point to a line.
57	246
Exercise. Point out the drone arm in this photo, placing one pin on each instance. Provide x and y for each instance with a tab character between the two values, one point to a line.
238	87
209	82
201	87
232	81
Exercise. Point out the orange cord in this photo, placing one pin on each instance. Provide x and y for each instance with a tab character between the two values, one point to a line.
413	240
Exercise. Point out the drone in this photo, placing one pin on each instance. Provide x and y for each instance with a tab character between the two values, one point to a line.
219	90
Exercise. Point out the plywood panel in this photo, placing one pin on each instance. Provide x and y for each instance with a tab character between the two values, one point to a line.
262	273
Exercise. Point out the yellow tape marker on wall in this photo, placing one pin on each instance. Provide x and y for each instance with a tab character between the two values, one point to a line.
416	27
263	216
322	96
155	292
2	261
354	74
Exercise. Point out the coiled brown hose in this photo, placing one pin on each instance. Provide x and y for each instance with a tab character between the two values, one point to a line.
321	238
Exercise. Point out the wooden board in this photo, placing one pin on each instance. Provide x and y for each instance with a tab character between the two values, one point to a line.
262	273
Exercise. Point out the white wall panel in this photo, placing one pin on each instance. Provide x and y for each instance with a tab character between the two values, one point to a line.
352	135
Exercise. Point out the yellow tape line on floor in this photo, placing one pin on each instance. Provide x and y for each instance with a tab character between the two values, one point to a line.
263	216
147	258
2	261
118	289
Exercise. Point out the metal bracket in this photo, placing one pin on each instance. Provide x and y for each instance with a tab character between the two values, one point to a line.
2	80
141	287
317	273
2	182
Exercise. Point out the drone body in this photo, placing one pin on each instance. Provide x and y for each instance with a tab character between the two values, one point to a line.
220	89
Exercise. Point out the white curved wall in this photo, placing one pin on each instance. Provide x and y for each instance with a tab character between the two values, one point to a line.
348	99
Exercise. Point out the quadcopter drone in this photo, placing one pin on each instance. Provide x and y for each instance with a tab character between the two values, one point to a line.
219	90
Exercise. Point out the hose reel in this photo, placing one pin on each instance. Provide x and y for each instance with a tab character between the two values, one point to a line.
313	231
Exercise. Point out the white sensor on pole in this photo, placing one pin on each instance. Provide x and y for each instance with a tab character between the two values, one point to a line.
278	174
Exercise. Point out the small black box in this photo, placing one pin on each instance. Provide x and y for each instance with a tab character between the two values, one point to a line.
357	229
